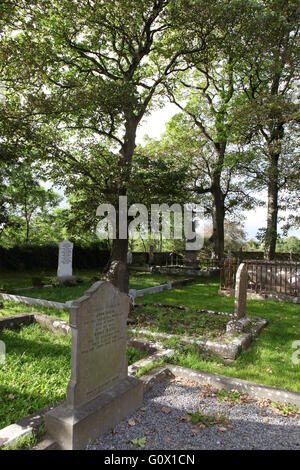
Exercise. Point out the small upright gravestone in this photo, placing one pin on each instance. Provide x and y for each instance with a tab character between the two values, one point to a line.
241	286
240	320
100	393
65	256
151	254
2	352
129	257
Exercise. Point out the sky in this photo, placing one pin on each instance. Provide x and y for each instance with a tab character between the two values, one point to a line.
155	124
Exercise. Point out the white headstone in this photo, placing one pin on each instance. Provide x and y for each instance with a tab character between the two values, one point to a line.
2	352
65	256
129	257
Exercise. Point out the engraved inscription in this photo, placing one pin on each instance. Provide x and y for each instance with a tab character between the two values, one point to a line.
66	255
100	334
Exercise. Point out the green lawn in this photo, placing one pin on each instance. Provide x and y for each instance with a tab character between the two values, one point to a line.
269	360
12	282
36	371
143	280
13	308
176	321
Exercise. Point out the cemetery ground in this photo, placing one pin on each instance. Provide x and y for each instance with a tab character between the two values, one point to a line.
36	371
17	281
37	368
269	359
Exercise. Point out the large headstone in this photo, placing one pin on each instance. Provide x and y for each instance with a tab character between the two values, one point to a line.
65	256
100	393
241	286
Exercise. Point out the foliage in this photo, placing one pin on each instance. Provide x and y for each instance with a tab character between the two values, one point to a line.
288	244
232	396
139	441
45	257
134	354
207	420
78	78
286	409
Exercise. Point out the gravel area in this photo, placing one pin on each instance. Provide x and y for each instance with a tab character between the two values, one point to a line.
165	423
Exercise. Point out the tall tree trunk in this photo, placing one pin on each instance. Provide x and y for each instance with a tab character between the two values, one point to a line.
120	245
119	250
218	211
272	211
218	215
274	150
27	232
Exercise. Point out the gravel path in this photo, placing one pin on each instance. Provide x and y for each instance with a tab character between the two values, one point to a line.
165	422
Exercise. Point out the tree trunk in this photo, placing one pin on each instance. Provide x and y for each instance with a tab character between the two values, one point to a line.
218	215
119	250
120	246
272	211
27	233
218	211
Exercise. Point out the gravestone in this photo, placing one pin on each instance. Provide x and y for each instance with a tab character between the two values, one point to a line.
65	255
240	321
151	254
2	352
100	393
241	286
129	257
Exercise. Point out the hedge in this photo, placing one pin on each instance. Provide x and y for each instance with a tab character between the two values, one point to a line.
46	257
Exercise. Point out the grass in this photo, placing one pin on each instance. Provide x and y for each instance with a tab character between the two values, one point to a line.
172	320
141	280
11	282
22	443
268	361
11	308
134	354
28	441
36	371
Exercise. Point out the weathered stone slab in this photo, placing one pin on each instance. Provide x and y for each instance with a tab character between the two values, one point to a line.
237	326
16	321
10	434
100	393
229	383
241	286
53	324
32	301
75	428
99	333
